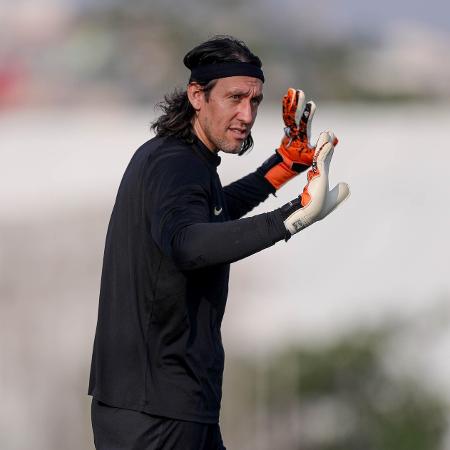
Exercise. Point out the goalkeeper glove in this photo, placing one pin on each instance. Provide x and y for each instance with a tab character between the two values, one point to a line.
295	153
316	201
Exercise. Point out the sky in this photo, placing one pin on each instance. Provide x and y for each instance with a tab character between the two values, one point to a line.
342	15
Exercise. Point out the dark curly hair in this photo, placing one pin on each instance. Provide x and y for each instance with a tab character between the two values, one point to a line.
178	112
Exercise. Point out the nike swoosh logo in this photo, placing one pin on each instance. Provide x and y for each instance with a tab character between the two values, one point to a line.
217	211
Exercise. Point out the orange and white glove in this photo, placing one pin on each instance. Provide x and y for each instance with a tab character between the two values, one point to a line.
316	200
295	154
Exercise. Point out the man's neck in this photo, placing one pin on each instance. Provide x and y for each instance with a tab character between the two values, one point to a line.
198	131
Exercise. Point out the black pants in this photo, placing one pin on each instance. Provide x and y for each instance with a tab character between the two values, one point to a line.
123	429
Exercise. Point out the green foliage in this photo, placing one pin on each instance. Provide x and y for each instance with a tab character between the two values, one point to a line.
333	396
370	408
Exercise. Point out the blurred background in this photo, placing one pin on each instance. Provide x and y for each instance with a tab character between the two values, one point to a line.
338	339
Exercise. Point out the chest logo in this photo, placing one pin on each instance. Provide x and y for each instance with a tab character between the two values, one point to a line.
217	211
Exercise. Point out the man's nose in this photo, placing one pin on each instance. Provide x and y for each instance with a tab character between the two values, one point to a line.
246	112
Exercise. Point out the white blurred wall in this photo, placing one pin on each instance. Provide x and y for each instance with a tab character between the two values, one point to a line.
383	253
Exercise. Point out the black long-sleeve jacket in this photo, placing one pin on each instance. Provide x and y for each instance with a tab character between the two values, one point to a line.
172	235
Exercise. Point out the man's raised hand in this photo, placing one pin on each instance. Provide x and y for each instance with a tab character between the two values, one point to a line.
295	153
316	200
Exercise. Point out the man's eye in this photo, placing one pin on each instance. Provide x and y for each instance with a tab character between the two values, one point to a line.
236	97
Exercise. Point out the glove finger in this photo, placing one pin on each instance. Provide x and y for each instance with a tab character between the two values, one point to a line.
305	122
288	100
335	197
293	106
300	108
317	176
325	139
334	138
322	156
315	191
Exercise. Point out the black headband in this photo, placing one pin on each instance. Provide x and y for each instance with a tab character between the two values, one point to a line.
223	70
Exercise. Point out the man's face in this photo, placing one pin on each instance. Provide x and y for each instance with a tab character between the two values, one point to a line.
224	121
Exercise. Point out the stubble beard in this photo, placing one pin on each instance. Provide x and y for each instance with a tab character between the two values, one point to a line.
227	147
221	144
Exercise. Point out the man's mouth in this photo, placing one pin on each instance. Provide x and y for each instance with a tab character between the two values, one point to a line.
239	133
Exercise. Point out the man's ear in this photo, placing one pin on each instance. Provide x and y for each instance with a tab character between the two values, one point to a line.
196	95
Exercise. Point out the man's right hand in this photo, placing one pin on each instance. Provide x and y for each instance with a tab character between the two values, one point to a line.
295	153
316	201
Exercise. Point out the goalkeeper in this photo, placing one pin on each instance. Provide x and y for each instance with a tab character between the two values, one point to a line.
158	360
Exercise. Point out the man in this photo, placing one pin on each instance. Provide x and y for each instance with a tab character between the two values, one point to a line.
158	359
